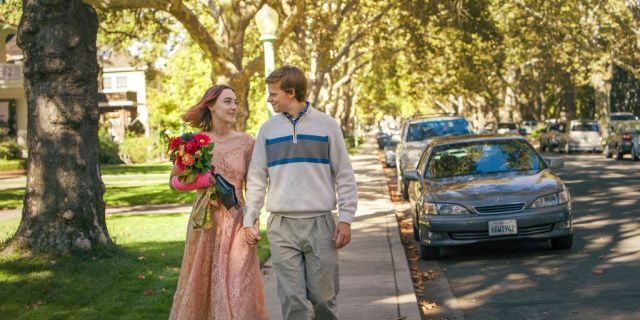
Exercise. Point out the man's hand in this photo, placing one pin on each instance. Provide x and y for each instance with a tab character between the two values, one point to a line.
342	235
252	234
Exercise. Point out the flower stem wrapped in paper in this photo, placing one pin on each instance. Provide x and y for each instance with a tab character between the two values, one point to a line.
192	154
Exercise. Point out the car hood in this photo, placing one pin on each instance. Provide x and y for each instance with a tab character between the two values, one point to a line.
488	190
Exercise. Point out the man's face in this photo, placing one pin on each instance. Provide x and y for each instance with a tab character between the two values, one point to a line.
281	101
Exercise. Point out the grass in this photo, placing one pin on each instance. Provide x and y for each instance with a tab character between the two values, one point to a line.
126	185
135	281
12	165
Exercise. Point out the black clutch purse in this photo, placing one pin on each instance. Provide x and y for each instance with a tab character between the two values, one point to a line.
226	192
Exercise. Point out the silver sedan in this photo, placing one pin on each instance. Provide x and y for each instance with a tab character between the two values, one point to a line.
476	189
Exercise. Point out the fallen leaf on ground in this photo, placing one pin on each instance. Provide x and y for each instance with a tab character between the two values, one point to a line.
141	277
149	292
142	258
597	271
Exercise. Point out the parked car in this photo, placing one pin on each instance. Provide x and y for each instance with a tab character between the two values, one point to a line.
509	127
528	126
476	189
382	138
583	135
624	139
416	133
390	151
550	136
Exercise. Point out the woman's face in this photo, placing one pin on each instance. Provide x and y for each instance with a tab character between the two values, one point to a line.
226	106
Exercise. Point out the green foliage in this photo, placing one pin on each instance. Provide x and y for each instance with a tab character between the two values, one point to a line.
136	149
109	150
10	150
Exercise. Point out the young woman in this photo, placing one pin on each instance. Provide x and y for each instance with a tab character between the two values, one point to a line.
220	276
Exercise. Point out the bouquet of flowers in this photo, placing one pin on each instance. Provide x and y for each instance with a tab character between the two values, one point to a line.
192	153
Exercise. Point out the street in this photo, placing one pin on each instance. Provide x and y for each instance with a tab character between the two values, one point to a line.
596	279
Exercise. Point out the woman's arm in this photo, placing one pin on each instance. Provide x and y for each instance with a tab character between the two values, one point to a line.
202	181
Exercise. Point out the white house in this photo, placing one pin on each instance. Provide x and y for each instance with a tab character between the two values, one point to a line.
122	102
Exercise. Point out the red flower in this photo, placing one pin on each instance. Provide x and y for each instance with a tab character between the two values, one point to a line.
179	163
191	147
175	142
188	160
202	139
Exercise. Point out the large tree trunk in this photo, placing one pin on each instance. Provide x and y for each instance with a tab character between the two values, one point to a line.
63	206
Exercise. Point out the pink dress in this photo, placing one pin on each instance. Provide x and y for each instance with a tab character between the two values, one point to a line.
220	275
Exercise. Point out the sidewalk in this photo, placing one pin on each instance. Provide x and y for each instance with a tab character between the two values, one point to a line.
375	282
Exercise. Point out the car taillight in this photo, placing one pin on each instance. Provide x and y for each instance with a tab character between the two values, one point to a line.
626	136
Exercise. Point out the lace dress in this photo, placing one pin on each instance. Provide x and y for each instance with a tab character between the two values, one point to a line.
220	275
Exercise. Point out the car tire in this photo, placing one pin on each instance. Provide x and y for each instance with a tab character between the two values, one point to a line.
607	152
416	233
634	154
405	190
619	153
562	243
429	253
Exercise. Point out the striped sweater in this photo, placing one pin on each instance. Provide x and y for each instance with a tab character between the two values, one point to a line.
300	166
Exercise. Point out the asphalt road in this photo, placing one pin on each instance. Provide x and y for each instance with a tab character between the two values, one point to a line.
599	278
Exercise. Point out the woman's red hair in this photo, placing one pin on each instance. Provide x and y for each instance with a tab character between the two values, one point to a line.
199	116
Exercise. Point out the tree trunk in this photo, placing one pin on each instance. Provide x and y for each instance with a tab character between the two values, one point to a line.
602	86
63	206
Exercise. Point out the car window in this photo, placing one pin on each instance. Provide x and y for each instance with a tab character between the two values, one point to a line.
632	128
437	128
483	157
507	126
622	117
585	127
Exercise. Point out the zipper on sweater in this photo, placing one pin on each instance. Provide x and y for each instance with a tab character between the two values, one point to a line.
295	134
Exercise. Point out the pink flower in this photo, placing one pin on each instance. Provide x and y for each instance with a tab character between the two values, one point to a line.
202	139
188	160
191	147
179	163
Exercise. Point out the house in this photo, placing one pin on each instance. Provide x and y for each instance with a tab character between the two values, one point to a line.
122	100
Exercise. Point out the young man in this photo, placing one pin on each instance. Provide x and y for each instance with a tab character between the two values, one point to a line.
299	162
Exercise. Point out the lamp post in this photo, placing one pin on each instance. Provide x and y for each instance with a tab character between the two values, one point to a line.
267	21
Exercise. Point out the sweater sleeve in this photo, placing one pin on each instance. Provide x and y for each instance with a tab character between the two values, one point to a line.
257	181
202	181
343	176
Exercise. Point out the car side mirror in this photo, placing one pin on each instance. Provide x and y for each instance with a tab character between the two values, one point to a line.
412	175
555	163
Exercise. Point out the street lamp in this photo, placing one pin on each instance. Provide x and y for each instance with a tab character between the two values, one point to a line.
267	21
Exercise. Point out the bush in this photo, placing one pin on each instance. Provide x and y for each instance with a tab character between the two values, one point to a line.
109	150
136	149
10	150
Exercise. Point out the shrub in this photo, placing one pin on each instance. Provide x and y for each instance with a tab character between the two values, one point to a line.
10	150
109	150
136	149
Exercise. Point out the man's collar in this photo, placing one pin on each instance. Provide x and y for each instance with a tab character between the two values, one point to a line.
290	117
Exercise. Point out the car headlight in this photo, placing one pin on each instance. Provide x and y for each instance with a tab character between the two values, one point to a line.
445	209
553	199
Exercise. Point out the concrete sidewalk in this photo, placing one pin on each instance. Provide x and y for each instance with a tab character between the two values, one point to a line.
374	274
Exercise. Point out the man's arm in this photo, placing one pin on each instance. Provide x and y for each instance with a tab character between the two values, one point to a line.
346	188
257	181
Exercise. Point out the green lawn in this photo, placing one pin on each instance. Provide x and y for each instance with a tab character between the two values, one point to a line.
136	281
126	185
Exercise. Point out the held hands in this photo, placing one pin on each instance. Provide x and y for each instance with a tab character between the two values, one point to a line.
252	234
342	235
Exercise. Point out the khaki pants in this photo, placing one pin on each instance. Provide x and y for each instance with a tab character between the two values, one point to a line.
305	260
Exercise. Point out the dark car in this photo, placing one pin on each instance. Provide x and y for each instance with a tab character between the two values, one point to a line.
474	189
550	136
624	139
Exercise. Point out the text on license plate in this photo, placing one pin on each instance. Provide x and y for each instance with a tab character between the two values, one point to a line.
502	227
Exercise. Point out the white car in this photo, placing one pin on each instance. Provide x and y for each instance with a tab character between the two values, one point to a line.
583	135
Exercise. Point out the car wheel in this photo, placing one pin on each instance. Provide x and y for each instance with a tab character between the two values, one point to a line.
416	232
562	243
607	152
429	253
405	190
619	153
634	154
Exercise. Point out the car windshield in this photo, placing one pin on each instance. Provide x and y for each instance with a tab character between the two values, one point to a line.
631	128
437	128
483	157
585	127
622	117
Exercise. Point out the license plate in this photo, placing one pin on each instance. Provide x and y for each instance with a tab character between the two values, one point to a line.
502	227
